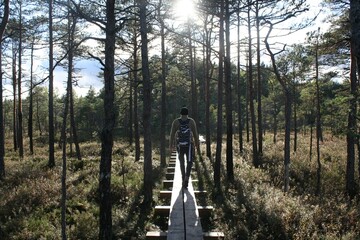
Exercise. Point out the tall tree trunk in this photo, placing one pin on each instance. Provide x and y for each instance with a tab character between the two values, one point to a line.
74	135
136	87
2	132
31	101
38	116
275	124
131	111
109	123
251	95
207	91
217	165
259	92
19	109
288	103
163	92
229	119
351	128
51	162
74	128
311	141
14	78
240	110
295	115
64	163
318	122
148	181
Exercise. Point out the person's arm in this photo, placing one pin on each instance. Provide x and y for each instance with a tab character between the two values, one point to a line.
196	135
172	134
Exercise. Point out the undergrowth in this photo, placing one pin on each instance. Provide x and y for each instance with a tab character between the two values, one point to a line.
253	206
31	192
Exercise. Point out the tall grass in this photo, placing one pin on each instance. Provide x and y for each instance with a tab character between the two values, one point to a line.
254	206
31	192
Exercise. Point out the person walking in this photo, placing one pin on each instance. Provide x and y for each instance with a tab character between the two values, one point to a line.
184	131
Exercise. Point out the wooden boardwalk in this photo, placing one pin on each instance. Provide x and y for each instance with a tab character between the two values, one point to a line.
184	220
184	215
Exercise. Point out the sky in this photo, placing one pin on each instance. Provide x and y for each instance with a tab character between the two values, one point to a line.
91	68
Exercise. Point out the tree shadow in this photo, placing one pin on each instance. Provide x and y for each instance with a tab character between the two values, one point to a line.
139	214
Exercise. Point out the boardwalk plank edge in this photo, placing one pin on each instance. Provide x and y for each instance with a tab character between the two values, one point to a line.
204	211
163	235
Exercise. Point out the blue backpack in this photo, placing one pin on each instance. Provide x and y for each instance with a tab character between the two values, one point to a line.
184	133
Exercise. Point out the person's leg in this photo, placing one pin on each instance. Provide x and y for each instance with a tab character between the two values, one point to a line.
181	153
189	162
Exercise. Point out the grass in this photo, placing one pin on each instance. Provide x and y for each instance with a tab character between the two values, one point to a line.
255	207
252	207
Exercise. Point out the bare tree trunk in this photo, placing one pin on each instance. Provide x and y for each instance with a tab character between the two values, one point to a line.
14	78
217	165
259	93
107	140
318	122
355	63
351	130
131	111
136	84
295	116
19	109
31	101
288	102
208	68
311	141
2	132
51	162
148	181
163	92
74	128
73	131
240	110
63	138
251	96
38	116
228	95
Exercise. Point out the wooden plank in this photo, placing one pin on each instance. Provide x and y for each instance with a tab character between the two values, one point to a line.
203	211
156	235
167	193
169	176
168	183
213	235
170	169
184	219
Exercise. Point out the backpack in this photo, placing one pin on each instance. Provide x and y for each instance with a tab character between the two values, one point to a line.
184	133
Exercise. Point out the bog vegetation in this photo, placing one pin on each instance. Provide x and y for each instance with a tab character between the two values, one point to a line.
254	206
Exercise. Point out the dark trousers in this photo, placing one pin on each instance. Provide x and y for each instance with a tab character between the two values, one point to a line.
184	151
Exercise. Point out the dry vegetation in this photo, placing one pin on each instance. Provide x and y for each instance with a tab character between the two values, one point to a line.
253	207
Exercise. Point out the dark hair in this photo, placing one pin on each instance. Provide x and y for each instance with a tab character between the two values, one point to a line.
184	111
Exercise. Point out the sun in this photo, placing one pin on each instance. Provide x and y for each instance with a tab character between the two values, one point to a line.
184	10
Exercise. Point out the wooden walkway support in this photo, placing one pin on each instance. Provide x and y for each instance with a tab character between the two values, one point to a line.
184	215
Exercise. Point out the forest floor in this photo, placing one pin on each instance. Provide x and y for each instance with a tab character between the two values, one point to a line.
254	206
